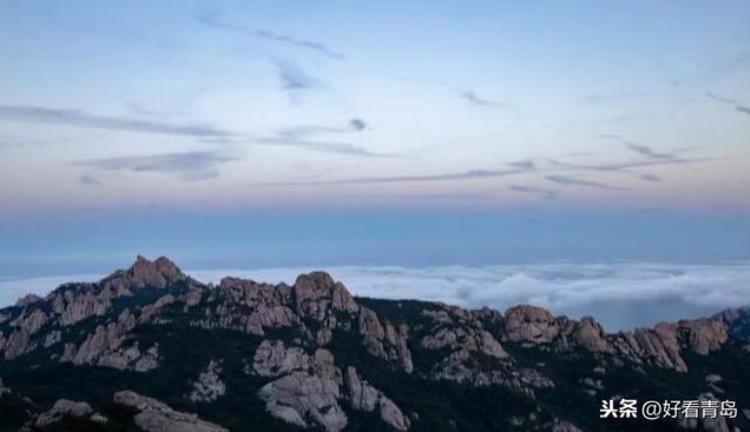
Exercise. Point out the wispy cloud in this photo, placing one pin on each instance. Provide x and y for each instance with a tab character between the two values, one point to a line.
744	109
641	149
624	167
82	119
16	142
306	136
518	167
186	166
141	110
217	20
574	181
357	124
551	167
580	154
290	137
353	125
437	197
650	178
547	194
88	180
293	78
603	98
474	99
526	164
463	175
322	146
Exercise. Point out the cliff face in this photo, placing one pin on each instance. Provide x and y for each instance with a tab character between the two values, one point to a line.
310	355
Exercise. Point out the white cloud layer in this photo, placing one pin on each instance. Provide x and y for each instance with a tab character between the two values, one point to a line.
620	295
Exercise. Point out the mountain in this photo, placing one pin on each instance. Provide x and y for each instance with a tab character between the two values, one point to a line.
149	348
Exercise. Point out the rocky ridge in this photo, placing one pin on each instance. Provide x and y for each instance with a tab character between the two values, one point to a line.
98	324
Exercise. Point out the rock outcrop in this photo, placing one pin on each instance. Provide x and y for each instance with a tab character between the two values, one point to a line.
155	416
386	341
703	335
663	345
108	346
208	387
364	397
316	295
472	354
27	300
310	388
736	321
530	324
590	335
660	346
248	306
26	325
310	391
144	273
74	303
63	408
273	359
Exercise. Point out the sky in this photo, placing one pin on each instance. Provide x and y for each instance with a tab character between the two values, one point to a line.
239	134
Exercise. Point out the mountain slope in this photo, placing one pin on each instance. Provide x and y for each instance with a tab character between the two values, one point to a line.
149	348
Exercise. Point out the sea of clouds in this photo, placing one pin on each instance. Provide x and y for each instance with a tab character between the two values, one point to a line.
620	294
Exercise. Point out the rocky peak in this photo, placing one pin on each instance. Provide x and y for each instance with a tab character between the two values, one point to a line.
661	345
731	315
251	293
704	335
590	335
142	273
736	321
527	323
315	292
28	299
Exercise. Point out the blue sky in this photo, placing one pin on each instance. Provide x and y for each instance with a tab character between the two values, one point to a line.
276	133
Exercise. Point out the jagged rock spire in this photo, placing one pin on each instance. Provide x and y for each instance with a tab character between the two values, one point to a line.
314	291
158	273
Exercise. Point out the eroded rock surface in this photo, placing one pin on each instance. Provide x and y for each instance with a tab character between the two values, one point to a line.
310	389
273	358
155	416
310	393
209	386
530	324
365	397
108	346
64	407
